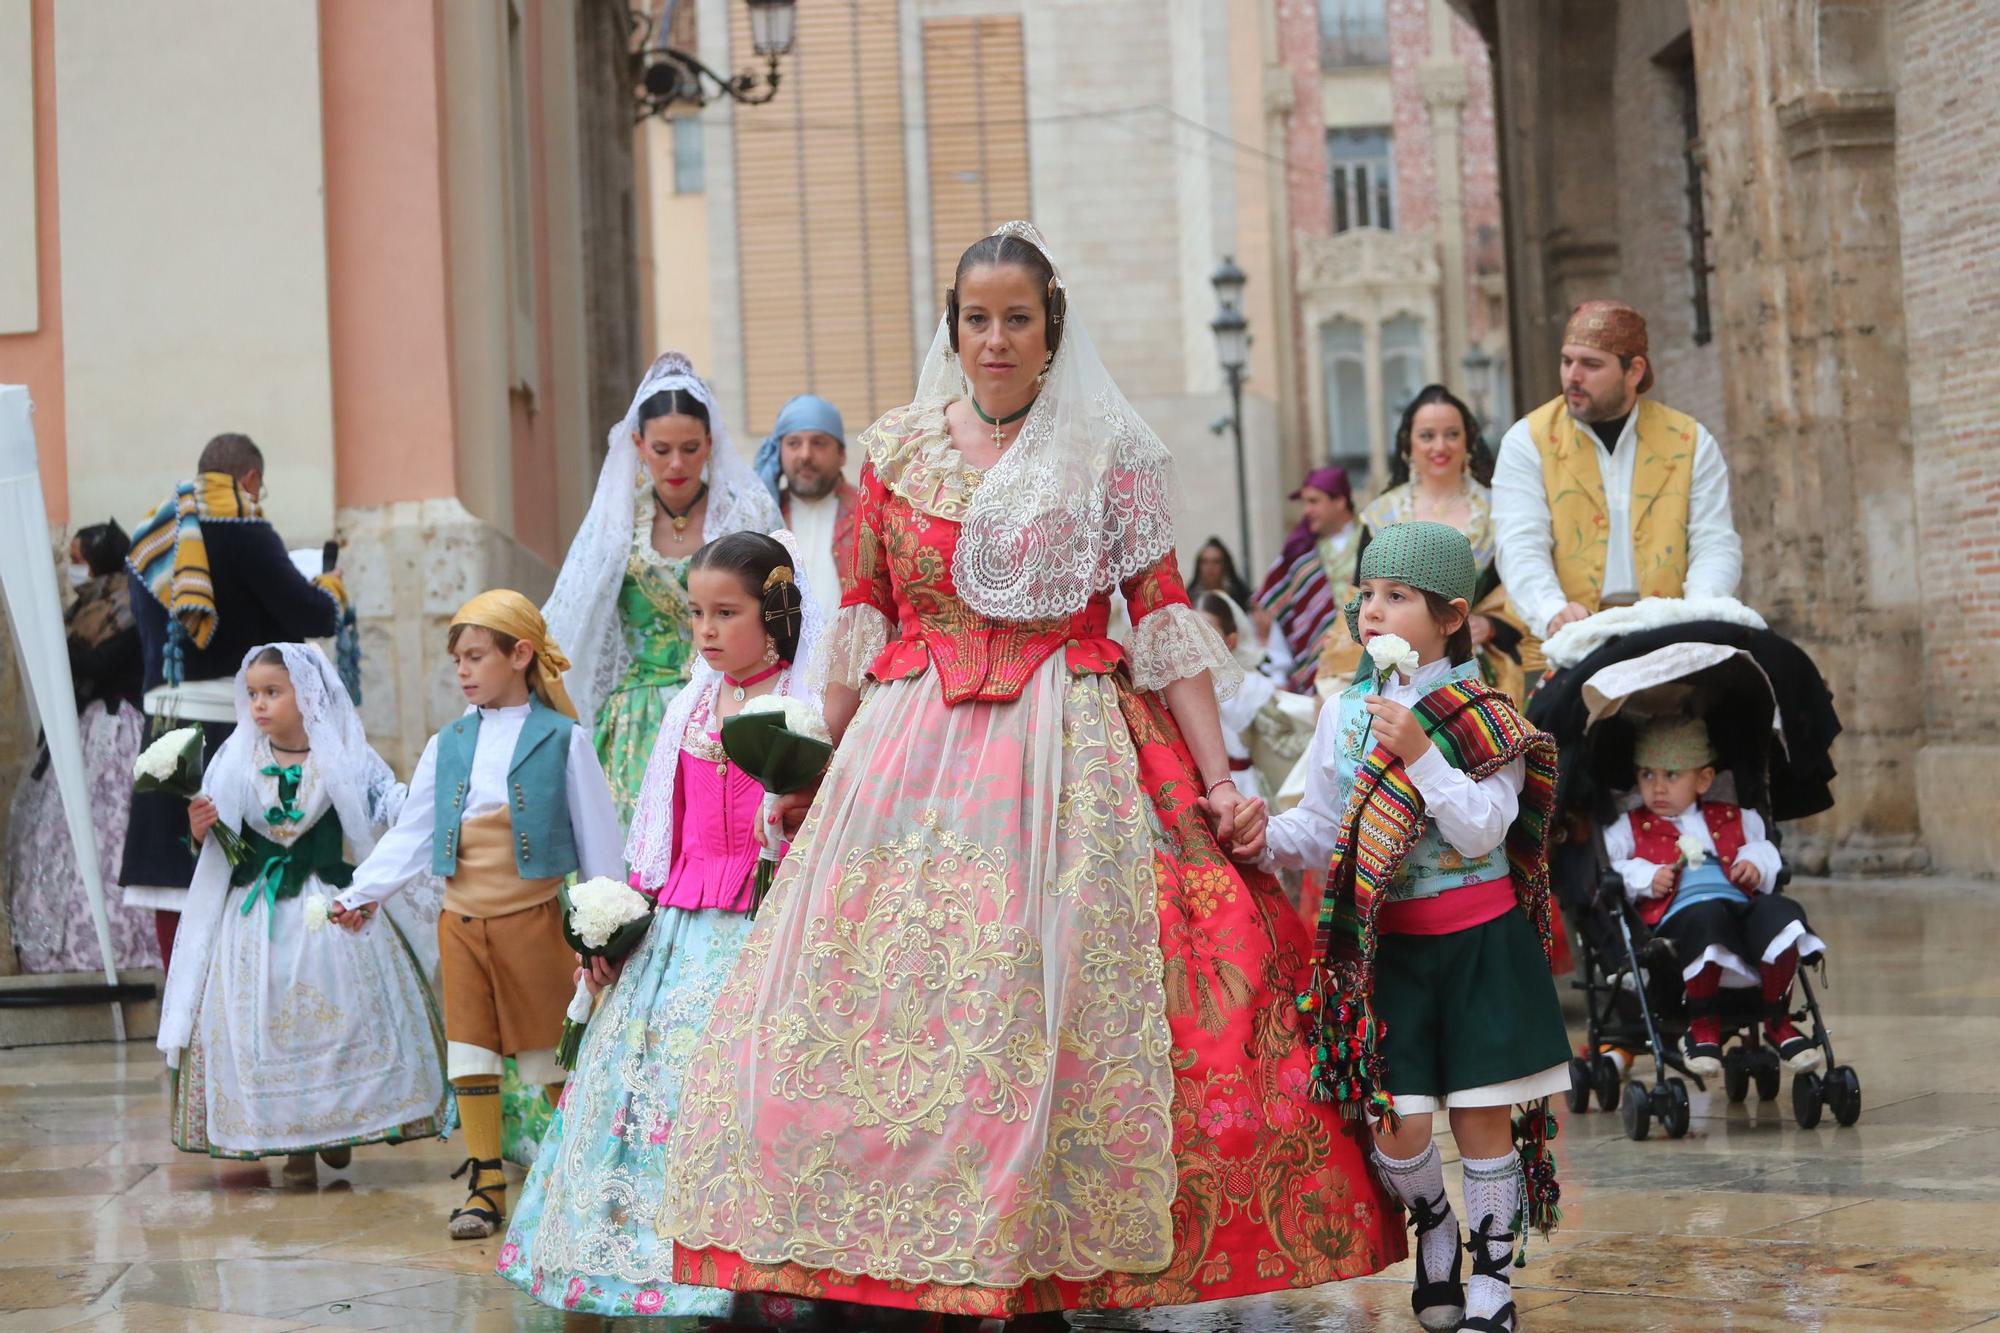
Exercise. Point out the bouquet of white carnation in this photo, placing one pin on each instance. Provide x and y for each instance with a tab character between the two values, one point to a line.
801	718
173	764
601	918
1691	850
782	742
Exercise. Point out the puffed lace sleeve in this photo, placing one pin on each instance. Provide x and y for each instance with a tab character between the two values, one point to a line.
860	631
1170	640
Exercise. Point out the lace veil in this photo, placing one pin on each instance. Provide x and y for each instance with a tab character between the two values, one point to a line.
649	850
1084	497
582	612
360	787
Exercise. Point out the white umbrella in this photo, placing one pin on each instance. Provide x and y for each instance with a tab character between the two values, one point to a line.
29	579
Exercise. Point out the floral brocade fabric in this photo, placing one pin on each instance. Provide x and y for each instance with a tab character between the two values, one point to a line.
653	611
1012	1033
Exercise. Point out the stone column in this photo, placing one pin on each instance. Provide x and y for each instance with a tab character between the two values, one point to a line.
1444	86
1802	165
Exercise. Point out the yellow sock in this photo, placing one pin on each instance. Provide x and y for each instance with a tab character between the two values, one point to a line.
479	1116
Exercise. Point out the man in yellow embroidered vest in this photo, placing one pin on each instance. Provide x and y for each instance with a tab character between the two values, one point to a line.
1602	496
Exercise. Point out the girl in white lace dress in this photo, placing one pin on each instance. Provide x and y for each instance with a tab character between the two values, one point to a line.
288	1038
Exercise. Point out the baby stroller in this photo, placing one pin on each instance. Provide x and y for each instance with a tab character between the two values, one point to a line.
1771	718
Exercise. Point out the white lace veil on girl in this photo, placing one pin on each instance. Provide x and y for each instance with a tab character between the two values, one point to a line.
582	612
360	787
1080	501
649	850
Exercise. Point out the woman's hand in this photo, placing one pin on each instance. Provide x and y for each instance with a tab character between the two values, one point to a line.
1482	631
202	817
1220	805
1398	728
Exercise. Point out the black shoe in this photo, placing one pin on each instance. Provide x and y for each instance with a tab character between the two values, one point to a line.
1702	1058
1504	1319
1439	1302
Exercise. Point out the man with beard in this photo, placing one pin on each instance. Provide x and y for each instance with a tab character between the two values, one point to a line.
802	460
1601	496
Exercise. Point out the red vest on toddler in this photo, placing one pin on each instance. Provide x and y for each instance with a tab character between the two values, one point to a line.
1656	838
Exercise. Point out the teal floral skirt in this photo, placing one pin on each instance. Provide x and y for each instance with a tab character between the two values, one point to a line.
582	1237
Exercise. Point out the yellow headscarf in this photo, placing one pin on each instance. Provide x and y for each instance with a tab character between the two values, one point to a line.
508	612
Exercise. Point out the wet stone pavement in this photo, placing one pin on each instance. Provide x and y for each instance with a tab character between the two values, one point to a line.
1748	1223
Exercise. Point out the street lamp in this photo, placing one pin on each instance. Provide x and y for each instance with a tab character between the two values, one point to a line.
665	77
1232	348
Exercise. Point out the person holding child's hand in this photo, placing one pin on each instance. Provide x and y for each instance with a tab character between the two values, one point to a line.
1458	976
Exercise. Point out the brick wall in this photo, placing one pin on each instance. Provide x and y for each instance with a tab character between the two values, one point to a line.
1947	137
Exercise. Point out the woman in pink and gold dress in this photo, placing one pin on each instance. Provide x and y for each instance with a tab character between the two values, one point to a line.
1013	1034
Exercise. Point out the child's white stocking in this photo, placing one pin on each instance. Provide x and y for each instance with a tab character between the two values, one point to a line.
1492	1208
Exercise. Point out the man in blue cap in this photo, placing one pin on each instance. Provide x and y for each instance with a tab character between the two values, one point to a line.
802	461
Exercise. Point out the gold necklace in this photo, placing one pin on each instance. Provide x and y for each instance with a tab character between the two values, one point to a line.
680	520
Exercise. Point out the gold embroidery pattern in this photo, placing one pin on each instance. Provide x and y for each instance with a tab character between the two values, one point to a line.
924	948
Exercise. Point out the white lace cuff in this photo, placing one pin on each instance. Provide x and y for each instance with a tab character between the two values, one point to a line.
1174	643
852	642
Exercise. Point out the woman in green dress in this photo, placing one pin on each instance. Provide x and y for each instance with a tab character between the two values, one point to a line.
672	482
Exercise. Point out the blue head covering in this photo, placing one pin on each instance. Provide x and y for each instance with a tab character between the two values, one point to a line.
808	411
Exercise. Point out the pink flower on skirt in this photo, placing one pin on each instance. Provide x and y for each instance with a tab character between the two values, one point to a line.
508	1254
574	1294
648	1301
536	1288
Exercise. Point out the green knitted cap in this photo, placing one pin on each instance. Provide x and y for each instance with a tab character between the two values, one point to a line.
1431	557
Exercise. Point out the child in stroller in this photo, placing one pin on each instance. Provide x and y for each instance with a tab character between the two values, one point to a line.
1701	875
1768	725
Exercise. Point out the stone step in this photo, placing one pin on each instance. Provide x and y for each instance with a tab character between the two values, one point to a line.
26	1024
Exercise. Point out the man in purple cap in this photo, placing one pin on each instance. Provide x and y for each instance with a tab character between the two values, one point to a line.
1306	585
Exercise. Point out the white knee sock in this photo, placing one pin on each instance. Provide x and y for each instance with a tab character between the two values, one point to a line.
1422	1177
1492	1200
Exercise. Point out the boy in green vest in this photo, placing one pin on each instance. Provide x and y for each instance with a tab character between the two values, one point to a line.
506	801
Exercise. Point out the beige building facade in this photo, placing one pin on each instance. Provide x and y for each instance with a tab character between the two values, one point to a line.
810	248
1797	194
390	241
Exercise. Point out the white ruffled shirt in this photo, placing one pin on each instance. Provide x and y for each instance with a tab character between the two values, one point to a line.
1637	873
1472	816
404	852
814	523
1523	528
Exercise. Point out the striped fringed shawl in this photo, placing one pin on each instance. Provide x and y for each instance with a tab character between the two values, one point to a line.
1480	732
171	559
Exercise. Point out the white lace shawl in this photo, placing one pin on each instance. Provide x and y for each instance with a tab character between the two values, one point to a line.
359	786
582	612
1080	501
649	849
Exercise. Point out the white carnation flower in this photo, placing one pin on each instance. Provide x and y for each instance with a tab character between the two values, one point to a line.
598	907
1392	652
801	718
159	760
315	909
1691	850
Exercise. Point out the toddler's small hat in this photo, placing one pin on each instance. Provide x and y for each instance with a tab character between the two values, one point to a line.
1677	743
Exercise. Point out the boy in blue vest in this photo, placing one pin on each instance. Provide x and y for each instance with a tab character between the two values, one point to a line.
506	801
